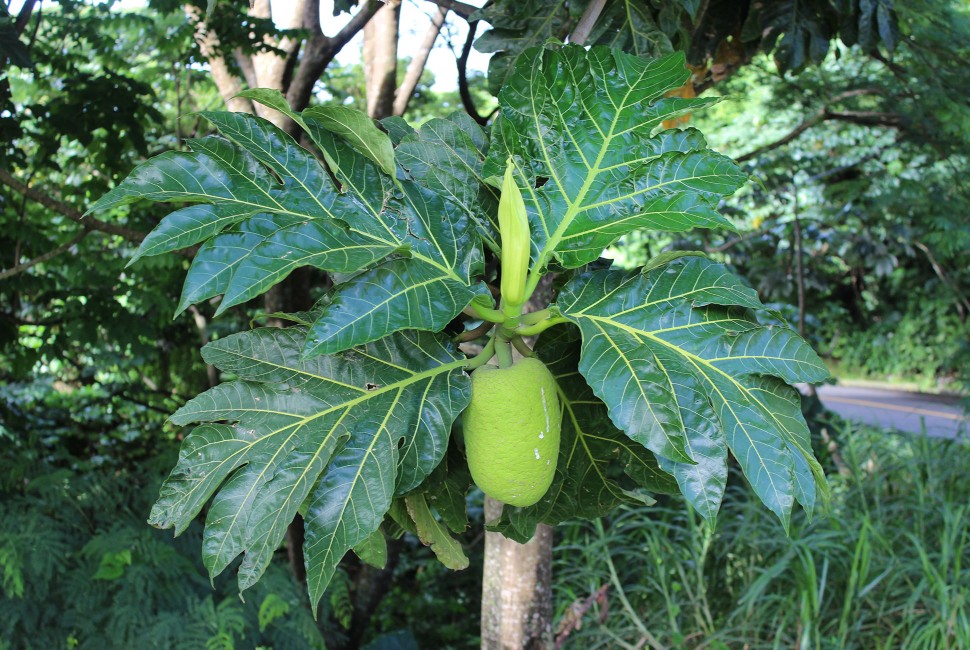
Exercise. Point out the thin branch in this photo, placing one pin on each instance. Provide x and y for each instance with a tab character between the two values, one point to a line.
466	97
320	50
20	268
49	202
18	320
963	305
23	17
734	242
463	9
821	115
201	326
867	118
417	65
799	262
245	63
586	22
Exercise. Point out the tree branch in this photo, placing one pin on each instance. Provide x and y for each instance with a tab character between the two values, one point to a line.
23	17
466	97
320	50
20	268
963	305
228	84
380	59
586	22
463	9
866	118
49	202
416	67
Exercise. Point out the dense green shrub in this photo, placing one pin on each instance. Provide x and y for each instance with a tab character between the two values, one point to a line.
79	566
922	339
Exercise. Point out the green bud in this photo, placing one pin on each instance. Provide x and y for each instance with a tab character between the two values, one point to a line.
513	223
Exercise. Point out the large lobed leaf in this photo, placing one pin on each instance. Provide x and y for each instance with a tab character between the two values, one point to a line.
264	206
335	436
687	370
580	127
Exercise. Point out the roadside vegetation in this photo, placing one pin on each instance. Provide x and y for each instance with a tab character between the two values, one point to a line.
885	567
853	228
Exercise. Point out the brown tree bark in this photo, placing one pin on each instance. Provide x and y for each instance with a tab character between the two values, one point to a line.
418	62
380	59
516	589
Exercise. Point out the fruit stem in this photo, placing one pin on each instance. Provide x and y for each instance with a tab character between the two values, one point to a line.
504	352
542	326
476	310
482	357
474	333
522	347
536	316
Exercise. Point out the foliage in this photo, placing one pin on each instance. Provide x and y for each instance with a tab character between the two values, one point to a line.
874	174
343	417
102	93
344	85
883	568
79	567
715	35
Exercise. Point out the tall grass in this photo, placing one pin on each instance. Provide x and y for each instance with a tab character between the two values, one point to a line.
886	566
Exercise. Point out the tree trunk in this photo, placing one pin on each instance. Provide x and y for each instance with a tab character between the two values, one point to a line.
517	578
380	59
516	589
418	63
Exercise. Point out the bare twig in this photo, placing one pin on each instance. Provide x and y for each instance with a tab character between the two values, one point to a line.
877	119
799	263
201	326
963	305
24	16
416	67
573	617
476	333
734	242
462	9
51	254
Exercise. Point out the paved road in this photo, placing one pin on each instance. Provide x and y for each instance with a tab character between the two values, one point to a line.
942	415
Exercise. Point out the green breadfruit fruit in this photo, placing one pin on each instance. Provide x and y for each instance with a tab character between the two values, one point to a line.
512	431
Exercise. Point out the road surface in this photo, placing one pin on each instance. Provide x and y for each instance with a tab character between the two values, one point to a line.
942	415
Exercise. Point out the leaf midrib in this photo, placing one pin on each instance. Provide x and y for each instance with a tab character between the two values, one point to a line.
573	208
700	363
348	405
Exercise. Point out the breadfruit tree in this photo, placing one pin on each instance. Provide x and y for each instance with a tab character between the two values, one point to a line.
640	382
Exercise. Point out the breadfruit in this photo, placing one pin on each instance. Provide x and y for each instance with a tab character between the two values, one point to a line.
512	430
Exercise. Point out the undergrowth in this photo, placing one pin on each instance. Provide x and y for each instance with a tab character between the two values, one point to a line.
80	568
887	566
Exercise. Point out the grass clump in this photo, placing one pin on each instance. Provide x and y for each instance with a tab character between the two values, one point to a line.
887	566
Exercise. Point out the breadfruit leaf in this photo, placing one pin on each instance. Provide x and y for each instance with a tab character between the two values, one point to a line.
580	127
341	434
685	367
266	206
446	156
